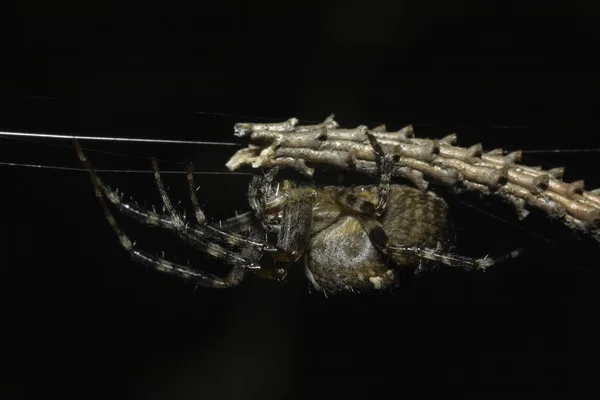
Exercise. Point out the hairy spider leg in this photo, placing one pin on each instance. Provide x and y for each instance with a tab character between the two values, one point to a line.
254	197
294	234
205	242
243	222
198	213
205	279
196	236
385	164
294	207
364	206
190	235
453	260
261	188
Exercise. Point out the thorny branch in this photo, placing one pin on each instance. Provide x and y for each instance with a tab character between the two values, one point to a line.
420	161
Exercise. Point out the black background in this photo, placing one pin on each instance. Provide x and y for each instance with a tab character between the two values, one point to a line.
81	319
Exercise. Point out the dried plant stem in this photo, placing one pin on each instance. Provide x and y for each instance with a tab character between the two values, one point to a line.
421	161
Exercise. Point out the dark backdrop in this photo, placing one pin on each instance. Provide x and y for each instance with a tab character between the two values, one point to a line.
82	319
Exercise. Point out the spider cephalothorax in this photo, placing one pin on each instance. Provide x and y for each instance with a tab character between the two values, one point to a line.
348	239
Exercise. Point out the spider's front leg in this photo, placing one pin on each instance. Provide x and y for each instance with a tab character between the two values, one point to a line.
296	226
296	222
292	205
191	236
206	279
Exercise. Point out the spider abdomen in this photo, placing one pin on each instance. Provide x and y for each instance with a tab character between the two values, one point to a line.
342	255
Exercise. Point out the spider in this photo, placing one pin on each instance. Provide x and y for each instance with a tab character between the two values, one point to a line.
348	239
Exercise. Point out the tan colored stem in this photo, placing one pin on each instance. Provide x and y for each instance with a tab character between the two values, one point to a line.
421	161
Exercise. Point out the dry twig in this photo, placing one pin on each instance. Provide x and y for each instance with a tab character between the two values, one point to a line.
421	161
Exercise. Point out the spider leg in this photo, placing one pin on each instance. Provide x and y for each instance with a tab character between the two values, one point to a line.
380	240
361	205
198	213
204	279
255	199
226	236
261	188
237	224
453	260
295	208
385	163
240	223
202	240
254	196
296	222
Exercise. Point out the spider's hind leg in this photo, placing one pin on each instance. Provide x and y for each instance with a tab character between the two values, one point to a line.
385	163
452	260
367	205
